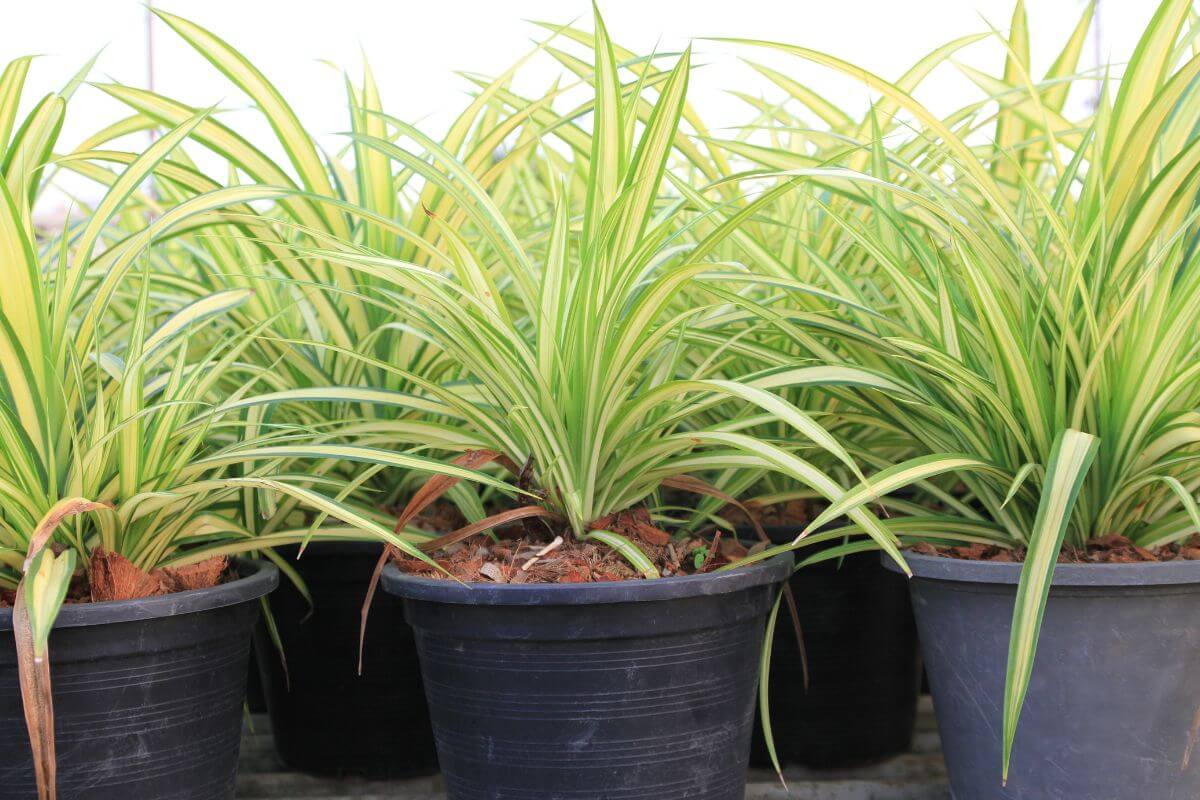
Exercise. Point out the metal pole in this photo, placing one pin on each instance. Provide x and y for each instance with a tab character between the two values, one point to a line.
1098	51
150	55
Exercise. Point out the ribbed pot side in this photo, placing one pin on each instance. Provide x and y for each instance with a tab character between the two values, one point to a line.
637	689
1113	707
326	718
147	695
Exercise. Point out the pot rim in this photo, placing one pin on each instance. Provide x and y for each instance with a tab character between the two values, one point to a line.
259	578
1146	573
440	590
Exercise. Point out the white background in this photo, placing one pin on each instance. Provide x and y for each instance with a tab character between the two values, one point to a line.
415	47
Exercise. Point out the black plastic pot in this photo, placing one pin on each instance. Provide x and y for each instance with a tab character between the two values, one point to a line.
1113	707
863	664
332	721
256	701
637	689
147	694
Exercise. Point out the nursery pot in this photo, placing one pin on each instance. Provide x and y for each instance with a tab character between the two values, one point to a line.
632	689
147	694
1113	708
325	717
864	670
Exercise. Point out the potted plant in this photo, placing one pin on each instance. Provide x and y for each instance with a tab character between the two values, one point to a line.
99	418
848	693
129	605
305	720
584	646
1045	322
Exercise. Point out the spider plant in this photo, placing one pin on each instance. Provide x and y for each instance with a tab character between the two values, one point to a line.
1039	299
82	414
573	369
108	385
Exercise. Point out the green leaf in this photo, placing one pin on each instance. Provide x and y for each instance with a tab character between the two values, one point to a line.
627	549
1017	480
193	314
764	684
1186	499
892	478
1070	459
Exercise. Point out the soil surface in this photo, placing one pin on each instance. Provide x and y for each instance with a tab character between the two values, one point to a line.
1114	549
111	576
516	556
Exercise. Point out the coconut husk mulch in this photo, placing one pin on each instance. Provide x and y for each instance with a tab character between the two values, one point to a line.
114	577
111	576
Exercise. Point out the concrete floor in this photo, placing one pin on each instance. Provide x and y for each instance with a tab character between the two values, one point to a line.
918	775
